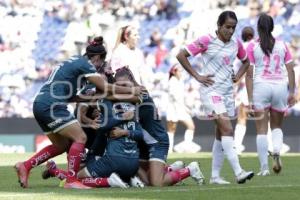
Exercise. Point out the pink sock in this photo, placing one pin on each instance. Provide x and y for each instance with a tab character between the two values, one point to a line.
58	173
42	156
74	158
179	175
95	182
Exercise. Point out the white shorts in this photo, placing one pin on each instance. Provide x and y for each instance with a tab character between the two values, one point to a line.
177	113
270	96
214	103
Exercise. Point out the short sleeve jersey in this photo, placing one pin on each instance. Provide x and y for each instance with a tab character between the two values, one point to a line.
65	81
217	59
269	68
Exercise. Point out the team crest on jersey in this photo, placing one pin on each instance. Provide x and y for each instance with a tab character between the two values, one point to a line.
226	60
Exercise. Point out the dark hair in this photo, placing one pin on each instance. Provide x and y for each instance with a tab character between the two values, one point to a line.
224	15
125	71
96	48
247	33
265	26
109	76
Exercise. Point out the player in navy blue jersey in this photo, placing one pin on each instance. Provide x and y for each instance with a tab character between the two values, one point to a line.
50	111
121	153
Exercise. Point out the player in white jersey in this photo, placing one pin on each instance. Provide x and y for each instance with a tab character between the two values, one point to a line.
241	98
270	88
178	112
216	92
126	53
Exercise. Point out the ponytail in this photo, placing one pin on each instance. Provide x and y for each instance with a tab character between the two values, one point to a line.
265	26
123	34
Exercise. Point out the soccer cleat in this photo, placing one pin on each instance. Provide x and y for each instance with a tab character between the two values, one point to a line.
277	165
75	185
46	173
187	147
22	174
192	147
180	148
263	173
136	182
177	165
196	173
218	181
115	181
243	176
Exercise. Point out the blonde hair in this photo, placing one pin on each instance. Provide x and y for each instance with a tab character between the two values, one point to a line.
123	33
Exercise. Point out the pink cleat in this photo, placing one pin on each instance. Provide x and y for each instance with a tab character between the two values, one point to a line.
22	174
75	185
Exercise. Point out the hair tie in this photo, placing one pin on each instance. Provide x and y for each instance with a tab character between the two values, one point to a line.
93	43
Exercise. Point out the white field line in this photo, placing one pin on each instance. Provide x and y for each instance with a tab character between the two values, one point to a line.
170	189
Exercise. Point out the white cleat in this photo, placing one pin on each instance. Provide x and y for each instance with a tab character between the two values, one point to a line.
218	181
177	165
263	173
136	182
115	181
187	147
180	148
196	173
243	176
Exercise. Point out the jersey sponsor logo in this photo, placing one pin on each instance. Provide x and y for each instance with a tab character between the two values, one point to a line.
216	99
54	123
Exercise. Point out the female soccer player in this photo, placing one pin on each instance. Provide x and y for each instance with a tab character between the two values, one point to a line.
154	157
50	111
177	112
271	89
216	91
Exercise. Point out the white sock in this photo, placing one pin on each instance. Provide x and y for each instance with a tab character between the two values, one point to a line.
217	158
171	140
188	135
239	134
262	150
277	139
230	152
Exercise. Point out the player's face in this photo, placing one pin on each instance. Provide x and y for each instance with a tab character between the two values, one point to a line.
133	38
226	31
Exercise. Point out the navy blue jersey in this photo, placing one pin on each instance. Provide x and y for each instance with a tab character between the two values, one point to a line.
149	120
124	146
65	80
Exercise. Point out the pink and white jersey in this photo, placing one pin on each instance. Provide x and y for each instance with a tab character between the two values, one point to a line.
217	58
269	68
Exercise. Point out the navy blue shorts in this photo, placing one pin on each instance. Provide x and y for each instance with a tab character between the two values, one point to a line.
52	118
154	152
106	165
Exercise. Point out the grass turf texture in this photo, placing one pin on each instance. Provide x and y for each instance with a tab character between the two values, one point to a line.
283	186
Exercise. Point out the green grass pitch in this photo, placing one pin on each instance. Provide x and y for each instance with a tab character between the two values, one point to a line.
285	186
